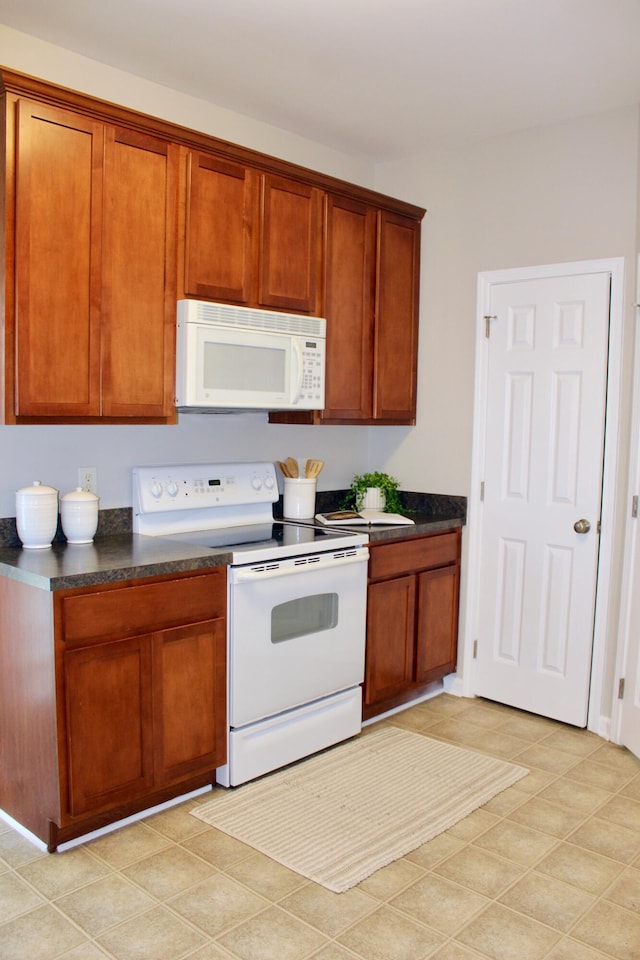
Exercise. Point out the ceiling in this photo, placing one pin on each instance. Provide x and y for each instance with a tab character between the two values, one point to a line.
378	79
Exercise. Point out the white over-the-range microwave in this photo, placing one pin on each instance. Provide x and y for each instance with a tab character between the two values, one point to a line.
232	358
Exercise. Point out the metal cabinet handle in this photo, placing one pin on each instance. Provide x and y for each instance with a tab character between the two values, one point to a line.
582	526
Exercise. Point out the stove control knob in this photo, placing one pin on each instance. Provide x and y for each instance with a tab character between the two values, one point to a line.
269	481
256	483
156	489
172	488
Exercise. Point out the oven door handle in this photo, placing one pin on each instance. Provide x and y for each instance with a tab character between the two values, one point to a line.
268	571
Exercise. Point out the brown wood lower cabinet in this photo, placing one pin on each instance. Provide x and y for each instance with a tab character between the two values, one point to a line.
126	706
412	617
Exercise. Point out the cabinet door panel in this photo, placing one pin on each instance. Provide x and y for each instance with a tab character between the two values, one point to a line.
109	723
221	230
396	343
59	160
139	275
348	307
189	700
290	245
390	638
437	628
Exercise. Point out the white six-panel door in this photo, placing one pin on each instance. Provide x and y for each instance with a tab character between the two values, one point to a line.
546	394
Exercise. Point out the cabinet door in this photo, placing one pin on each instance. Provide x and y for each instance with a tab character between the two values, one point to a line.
59	159
396	339
390	638
290	245
221	230
139	276
437	626
189	700
108	723
348	307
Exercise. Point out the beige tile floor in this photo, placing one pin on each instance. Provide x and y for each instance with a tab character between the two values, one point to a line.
548	870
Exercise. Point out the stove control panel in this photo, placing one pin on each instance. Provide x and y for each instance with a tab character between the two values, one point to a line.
160	490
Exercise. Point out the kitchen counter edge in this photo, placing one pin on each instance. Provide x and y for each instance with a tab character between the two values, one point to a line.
126	556
130	556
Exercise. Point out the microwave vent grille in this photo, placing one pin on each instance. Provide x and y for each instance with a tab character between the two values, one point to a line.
249	318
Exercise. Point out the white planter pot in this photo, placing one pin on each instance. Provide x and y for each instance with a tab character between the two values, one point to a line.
372	499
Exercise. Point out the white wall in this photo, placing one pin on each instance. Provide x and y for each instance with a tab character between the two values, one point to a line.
44	60
560	193
53	453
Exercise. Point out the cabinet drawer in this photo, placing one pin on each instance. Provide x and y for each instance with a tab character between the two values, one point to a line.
104	614
393	559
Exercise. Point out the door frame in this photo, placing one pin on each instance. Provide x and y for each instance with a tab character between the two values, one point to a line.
631	532
463	682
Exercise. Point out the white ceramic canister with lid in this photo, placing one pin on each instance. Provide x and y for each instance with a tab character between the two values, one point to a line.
79	515
36	515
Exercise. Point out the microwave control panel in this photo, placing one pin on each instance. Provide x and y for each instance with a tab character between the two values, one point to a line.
312	388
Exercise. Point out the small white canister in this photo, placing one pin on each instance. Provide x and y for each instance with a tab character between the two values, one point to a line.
37	515
79	515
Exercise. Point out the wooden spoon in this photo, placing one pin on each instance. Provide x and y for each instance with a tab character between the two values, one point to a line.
292	466
313	468
283	468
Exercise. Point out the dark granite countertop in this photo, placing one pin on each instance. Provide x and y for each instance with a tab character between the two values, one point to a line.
124	556
430	512
421	525
118	554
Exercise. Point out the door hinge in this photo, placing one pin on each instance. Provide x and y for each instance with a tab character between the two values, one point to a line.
475	649
487	324
482	490
621	688
634	506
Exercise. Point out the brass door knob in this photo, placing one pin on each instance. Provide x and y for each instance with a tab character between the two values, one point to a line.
582	526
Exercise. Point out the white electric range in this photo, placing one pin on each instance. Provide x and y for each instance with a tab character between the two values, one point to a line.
296	609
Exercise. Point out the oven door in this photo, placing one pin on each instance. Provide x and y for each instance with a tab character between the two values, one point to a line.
296	631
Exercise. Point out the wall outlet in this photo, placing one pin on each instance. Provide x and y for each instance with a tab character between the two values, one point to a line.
88	479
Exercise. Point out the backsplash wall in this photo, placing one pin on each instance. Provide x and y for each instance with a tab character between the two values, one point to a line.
53	453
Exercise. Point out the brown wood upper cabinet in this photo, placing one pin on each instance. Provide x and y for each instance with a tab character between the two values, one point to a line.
110	216
221	239
372	262
349	287
395	353
251	238
290	245
91	228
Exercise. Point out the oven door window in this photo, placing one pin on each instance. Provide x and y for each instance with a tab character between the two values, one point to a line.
304	615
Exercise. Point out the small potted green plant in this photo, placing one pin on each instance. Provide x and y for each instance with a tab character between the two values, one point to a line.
359	495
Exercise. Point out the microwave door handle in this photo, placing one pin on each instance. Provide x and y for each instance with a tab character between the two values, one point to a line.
297	386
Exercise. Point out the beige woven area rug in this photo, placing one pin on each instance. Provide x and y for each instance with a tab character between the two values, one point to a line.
341	815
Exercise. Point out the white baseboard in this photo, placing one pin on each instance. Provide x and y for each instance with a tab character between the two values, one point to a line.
452	684
109	828
602	727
